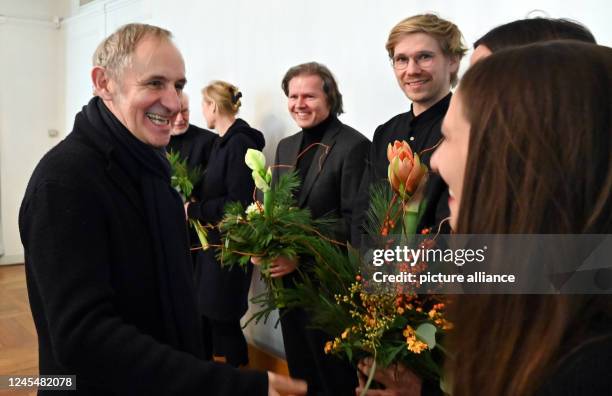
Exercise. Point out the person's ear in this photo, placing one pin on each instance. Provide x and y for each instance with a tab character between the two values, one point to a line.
454	62
103	84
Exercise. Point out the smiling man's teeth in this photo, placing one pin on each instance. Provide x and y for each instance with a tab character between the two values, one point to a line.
157	119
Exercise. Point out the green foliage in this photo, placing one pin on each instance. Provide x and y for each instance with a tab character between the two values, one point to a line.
287	231
329	286
339	304
183	177
182	180
382	203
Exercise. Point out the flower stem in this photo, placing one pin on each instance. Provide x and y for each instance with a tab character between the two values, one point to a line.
268	203
274	284
370	377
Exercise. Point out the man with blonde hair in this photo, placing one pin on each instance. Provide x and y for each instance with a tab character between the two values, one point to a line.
425	52
106	252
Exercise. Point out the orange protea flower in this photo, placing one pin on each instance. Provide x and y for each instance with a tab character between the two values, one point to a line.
406	172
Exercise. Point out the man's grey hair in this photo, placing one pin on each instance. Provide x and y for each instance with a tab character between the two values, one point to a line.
115	52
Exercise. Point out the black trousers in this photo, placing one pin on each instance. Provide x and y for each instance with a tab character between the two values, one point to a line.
225	338
327	375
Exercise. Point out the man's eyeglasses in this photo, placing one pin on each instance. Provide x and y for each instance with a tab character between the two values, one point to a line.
422	59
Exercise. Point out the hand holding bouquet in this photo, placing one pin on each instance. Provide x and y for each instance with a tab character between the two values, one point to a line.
274	230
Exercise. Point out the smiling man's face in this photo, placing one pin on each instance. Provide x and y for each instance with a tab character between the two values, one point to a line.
146	96
429	82
306	100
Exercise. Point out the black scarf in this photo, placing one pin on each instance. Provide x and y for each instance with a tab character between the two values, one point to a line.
148	168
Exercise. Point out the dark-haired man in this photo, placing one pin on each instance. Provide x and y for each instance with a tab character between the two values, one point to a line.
329	158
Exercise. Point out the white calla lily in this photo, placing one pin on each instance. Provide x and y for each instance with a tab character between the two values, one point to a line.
255	160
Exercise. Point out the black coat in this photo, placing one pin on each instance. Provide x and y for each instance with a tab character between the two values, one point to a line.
93	287
223	292
195	145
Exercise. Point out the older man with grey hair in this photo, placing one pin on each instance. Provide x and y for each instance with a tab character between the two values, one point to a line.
107	260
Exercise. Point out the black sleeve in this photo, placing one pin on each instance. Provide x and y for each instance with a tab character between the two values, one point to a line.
202	152
209	141
362	200
436	194
238	182
276	169
352	175
68	262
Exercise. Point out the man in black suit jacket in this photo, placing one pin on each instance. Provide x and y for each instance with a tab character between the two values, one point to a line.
106	253
329	157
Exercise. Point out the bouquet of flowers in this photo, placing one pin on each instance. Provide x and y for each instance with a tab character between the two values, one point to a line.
393	326
269	229
183	179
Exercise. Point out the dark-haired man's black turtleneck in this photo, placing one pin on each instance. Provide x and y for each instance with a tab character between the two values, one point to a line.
311	136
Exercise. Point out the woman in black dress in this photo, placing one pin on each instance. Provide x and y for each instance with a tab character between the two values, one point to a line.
223	292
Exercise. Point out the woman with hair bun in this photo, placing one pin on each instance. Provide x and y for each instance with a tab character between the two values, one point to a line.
223	292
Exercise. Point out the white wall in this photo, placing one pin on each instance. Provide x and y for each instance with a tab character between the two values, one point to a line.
250	43
31	102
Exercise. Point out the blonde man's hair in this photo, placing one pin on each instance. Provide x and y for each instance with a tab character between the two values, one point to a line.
115	52
225	95
446	33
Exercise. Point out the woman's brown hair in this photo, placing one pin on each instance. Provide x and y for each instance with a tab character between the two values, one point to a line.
539	163
533	30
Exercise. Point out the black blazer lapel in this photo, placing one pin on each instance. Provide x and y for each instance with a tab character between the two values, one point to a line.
287	156
323	150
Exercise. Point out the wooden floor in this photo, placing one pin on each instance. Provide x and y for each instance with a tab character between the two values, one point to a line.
18	344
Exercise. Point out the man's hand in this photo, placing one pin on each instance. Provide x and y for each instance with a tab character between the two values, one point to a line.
281	265
279	384
397	379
